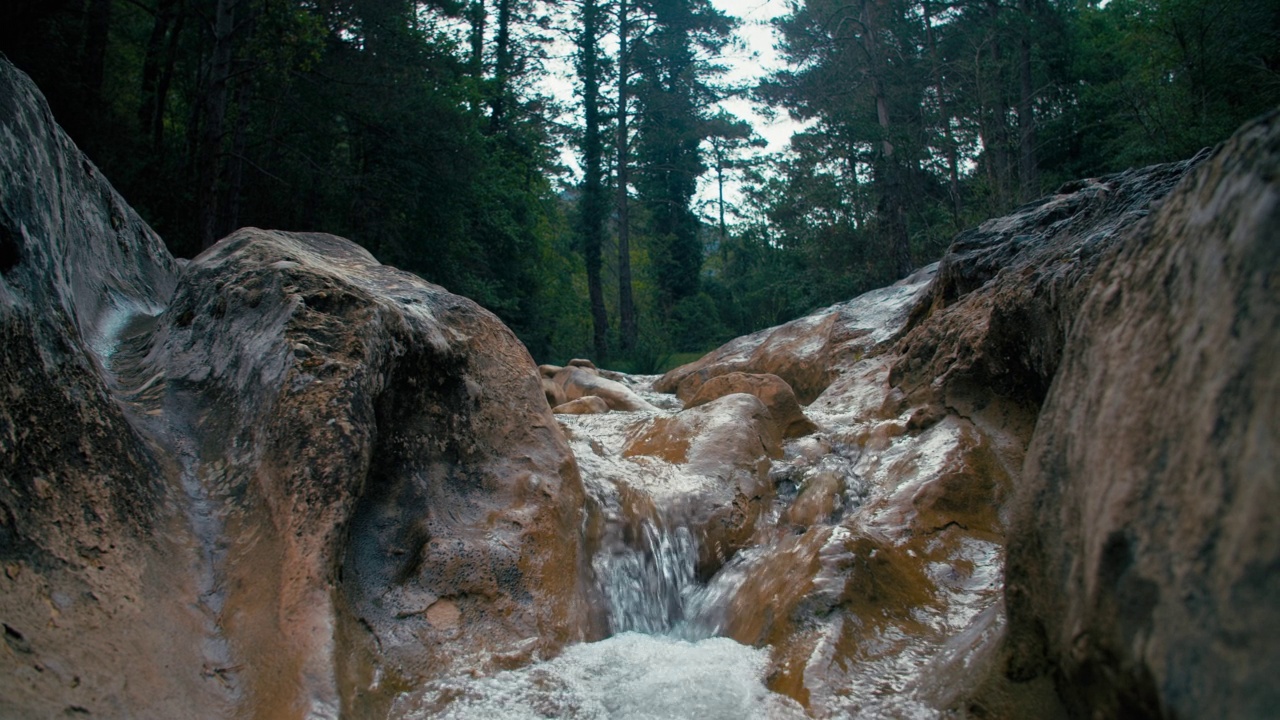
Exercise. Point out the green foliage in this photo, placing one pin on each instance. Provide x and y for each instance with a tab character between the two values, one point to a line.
410	128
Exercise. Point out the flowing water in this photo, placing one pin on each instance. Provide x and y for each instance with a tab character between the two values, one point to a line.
869	587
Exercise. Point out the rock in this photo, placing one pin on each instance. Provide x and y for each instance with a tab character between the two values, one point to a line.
83	498
809	353
281	480
1143	558
996	317
582	363
553	392
818	500
772	390
586	405
579	381
409	450
723	449
549	371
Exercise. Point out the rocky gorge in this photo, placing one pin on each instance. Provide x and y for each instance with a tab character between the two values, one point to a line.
281	480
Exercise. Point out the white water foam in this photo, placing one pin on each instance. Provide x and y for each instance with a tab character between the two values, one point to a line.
628	676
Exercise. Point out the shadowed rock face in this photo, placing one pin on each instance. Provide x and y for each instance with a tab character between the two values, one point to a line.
997	316
1143	561
284	482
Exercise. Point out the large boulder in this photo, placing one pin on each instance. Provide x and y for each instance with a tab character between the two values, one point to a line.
284	481
1144	556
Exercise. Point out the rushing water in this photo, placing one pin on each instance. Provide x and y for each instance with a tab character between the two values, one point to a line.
869	586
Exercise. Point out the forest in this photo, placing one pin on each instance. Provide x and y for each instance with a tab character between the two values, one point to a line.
425	131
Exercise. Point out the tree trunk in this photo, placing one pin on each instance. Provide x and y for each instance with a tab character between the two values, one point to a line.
995	134
592	208
97	30
476	17
165	82
229	215
502	66
209	152
626	303
153	57
893	210
944	110
1028	172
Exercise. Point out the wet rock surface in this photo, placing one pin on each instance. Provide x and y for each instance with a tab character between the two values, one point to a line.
1143	561
1006	295
772	390
286	481
84	509
809	353
581	379
280	481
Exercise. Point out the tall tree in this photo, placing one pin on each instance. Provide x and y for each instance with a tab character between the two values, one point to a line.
675	95
1028	173
217	76
592	207
628	327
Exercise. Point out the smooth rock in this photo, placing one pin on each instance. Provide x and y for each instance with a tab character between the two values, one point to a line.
280	480
812	352
772	390
586	405
553	392
580	381
724	448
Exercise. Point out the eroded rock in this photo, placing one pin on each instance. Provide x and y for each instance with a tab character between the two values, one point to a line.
996	318
582	381
809	353
284	481
723	451
1142	566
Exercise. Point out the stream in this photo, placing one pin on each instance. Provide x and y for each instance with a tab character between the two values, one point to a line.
693	633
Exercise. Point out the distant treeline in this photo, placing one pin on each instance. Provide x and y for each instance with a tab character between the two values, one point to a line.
415	128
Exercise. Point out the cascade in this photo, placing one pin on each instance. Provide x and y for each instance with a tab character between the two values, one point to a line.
856	569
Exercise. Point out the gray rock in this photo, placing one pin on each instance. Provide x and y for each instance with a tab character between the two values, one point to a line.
996	317
1142	570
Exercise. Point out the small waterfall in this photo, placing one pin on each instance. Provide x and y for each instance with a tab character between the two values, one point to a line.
649	582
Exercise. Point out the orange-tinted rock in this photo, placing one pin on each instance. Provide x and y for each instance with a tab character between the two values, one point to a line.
586	405
818	499
553	392
772	390
996	318
724	450
809	353
581	381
